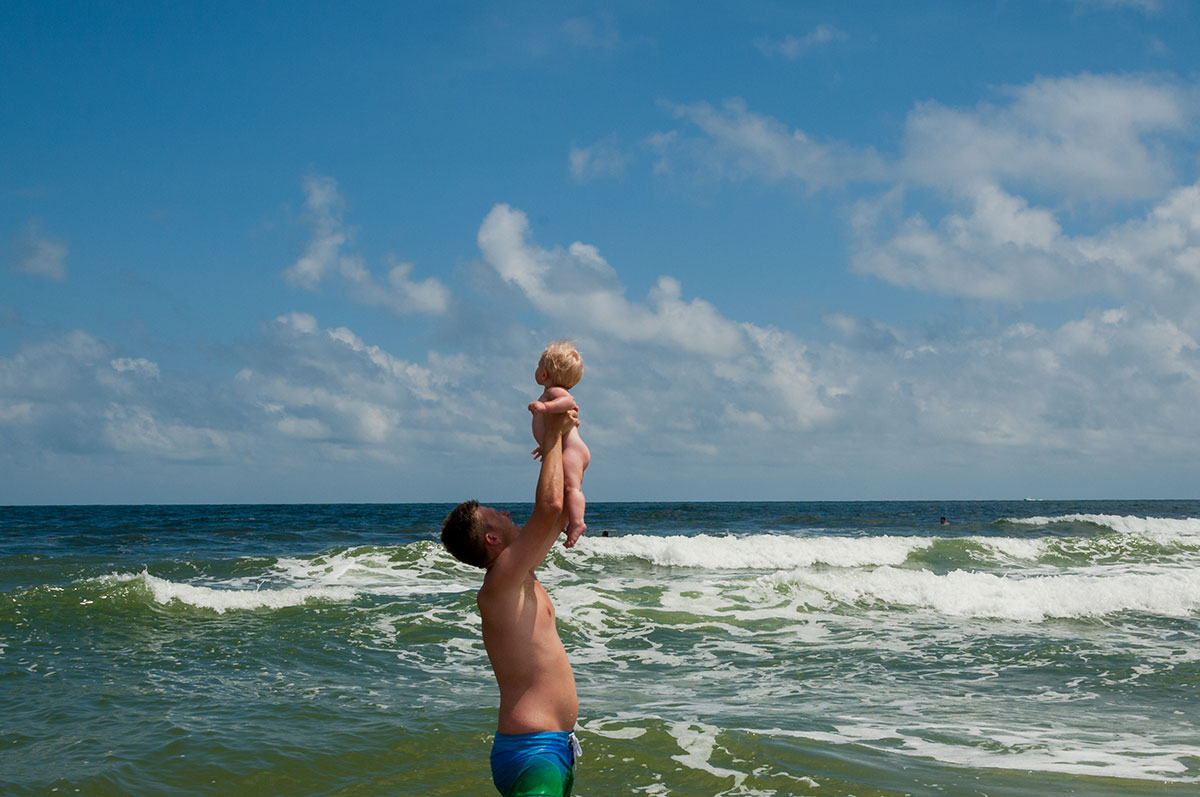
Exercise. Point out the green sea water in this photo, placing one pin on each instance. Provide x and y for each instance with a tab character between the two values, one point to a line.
732	649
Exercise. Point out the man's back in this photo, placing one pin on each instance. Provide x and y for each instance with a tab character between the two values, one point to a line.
537	687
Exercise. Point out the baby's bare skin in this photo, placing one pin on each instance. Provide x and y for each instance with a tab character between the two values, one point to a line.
576	456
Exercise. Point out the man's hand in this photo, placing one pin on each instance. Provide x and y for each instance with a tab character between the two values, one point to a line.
559	423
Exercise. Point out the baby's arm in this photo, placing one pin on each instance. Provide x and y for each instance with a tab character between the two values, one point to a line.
553	401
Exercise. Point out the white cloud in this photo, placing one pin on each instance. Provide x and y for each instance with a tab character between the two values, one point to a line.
137	365
41	255
1083	138
70	395
602	159
328	385
137	429
705	351
741	143
1159	255
325	210
1002	249
592	33
401	294
792	47
578	286
674	379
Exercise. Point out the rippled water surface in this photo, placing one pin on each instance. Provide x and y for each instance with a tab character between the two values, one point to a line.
739	649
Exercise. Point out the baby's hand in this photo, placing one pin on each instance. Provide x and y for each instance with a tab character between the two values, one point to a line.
537	407
537	453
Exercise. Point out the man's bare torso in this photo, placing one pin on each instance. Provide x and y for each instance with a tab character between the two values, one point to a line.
537	687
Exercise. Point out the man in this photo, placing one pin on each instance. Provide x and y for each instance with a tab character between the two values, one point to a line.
534	750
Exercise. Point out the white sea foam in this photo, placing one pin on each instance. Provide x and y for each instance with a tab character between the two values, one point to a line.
601	727
1113	755
758	552
222	600
1162	530
1174	593
698	741
376	571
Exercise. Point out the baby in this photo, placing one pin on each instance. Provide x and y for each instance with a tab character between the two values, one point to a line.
559	369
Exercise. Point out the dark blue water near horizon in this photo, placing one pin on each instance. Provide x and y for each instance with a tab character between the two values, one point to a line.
167	525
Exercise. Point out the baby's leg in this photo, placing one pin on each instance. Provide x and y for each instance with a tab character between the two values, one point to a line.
573	466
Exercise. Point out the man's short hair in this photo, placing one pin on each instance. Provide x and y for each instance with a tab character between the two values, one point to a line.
463	532
563	364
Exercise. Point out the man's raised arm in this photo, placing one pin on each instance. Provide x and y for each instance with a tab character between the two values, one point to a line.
539	532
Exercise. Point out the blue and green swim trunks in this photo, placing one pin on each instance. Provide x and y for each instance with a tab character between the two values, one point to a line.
534	764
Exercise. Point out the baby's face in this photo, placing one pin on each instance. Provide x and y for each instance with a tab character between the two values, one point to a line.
540	376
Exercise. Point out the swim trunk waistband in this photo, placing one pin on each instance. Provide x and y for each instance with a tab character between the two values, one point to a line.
534	764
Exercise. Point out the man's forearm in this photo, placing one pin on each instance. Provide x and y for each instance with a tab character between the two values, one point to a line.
548	496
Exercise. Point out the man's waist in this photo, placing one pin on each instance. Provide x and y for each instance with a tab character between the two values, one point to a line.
542	716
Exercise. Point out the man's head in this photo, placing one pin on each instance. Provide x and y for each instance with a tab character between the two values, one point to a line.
562	364
474	534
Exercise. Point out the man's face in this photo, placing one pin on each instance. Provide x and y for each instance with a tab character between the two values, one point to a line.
498	524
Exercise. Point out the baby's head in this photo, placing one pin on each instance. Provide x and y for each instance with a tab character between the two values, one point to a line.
562	364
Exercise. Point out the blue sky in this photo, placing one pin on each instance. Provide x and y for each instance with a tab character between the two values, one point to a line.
307	252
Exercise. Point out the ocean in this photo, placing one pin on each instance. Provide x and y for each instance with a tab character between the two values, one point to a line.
1025	648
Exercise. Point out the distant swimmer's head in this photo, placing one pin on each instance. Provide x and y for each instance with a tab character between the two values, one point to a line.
561	365
474	534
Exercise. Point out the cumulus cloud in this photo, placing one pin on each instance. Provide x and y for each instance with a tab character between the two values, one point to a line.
137	365
328	385
1099	383
740	143
1115	378
1082	138
69	394
41	255
602	159
987	174
323	256
792	47
669	376
1000	248
325	210
401	294
577	285
580	292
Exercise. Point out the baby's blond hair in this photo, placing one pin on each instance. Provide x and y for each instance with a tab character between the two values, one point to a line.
563	364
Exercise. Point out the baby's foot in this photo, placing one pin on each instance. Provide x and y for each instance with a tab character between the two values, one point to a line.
575	530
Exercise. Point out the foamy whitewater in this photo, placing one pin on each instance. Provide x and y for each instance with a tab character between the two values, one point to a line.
739	649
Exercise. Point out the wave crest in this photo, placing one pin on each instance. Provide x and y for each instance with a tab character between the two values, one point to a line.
985	595
221	600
